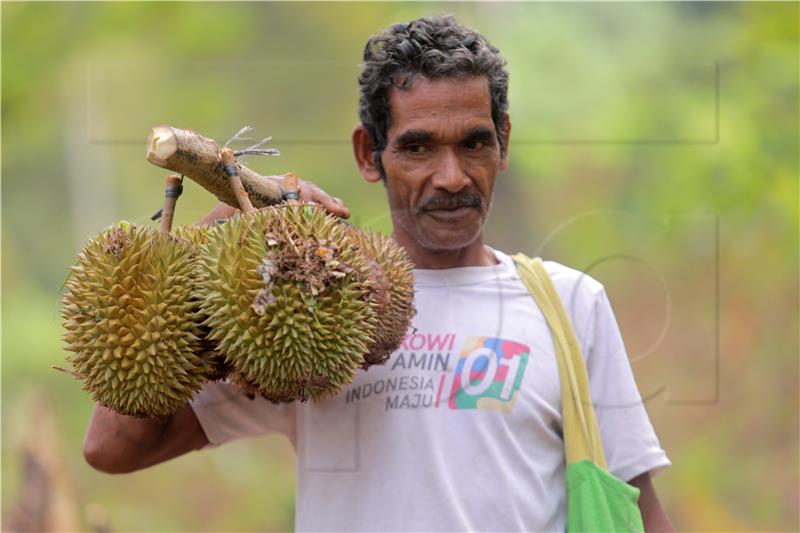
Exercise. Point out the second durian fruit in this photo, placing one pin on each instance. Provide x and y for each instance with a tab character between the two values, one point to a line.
286	292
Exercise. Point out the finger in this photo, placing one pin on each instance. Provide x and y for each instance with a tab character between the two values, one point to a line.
334	206
306	192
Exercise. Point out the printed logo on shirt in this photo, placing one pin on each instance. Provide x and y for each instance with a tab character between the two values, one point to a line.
486	374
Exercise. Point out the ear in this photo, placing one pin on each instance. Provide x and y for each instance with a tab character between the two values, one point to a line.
363	149
505	134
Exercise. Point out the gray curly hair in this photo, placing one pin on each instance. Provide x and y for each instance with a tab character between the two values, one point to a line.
434	47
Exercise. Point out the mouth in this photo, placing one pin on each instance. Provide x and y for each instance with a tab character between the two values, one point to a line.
450	212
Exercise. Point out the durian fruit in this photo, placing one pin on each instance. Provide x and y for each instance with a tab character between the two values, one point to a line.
130	321
286	292
392	293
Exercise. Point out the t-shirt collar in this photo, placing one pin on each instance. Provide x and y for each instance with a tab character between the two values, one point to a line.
504	269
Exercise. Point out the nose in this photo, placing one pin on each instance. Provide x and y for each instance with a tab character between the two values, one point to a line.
449	174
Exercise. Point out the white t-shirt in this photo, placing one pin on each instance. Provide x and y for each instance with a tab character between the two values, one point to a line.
461	429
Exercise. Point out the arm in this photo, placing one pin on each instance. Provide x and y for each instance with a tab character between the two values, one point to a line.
627	434
653	516
118	444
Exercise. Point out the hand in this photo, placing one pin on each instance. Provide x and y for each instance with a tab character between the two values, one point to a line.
333	205
308	193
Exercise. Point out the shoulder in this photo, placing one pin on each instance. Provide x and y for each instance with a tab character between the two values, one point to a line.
576	288
585	301
580	293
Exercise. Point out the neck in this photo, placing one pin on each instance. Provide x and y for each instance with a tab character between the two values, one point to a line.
474	254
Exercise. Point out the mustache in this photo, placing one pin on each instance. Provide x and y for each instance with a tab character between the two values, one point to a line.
451	201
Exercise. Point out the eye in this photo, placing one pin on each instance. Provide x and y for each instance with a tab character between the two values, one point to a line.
415	149
473	145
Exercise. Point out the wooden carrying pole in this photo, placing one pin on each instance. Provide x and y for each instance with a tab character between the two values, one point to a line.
198	158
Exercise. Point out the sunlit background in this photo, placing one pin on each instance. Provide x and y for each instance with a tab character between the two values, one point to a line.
654	145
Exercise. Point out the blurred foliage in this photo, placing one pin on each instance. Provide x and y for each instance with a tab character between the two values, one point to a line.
655	145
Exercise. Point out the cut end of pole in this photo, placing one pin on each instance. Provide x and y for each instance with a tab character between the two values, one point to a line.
172	181
291	183
161	145
291	188
227	156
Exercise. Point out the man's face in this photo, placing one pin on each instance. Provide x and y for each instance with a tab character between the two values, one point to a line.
441	160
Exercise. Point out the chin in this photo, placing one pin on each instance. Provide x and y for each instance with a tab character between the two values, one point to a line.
447	241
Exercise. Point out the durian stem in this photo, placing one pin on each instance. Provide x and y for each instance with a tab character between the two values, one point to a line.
291	187
174	188
197	157
231	169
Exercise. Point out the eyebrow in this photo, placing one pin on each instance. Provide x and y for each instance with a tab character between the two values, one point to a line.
480	134
414	137
421	136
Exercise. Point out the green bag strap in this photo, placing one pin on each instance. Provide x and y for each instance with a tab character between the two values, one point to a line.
582	439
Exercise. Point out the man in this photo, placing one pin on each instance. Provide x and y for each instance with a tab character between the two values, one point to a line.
460	429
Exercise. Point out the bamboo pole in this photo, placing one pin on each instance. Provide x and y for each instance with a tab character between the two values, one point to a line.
198	158
232	170
171	193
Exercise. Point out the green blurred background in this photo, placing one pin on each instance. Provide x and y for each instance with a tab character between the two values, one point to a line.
654	145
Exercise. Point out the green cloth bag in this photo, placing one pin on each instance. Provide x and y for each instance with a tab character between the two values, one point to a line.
596	500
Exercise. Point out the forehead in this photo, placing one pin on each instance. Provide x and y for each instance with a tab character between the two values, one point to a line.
440	103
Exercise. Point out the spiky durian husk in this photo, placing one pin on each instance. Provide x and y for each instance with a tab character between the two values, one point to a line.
286	293
393	293
197	236
130	321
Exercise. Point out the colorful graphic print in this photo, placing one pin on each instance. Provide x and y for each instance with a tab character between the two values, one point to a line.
488	374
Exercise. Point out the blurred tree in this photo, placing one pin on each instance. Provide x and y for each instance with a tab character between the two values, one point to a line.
662	132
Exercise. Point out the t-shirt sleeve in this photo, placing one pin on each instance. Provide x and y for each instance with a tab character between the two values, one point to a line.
226	414
631	445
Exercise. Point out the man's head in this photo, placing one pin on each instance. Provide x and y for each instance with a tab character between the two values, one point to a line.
434	128
434	48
